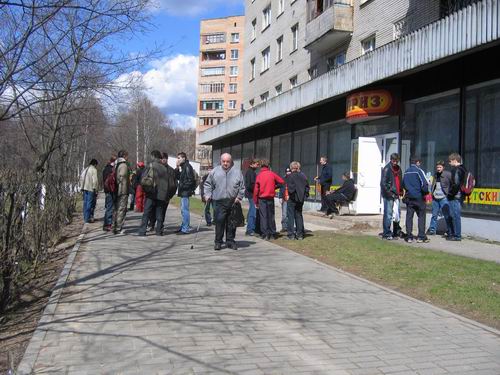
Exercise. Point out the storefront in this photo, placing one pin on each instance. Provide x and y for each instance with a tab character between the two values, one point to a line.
453	107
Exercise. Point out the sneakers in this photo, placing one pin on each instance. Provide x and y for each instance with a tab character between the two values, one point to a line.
300	238
409	239
423	240
249	233
388	238
232	245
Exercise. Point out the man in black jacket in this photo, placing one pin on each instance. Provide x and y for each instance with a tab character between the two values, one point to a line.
298	191
325	180
108	205
208	205
157	199
391	190
343	194
250	177
186	188
455	197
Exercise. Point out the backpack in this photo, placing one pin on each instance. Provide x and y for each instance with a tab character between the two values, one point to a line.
148	181
110	184
468	184
172	183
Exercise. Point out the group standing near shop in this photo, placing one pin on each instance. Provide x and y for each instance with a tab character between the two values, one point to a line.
150	187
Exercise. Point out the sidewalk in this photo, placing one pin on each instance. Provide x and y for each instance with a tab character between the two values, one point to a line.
372	225
152	306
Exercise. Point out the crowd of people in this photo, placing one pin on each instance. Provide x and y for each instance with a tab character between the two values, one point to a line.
150	187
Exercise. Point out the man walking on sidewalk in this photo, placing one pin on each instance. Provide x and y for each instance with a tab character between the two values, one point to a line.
224	186
250	177
416	187
108	203
263	196
120	201
186	188
89	186
298	191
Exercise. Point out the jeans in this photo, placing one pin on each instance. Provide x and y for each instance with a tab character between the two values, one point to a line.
455	220
185	227
439	205
295	219
88	202
158	209
222	212
108	209
267	220
251	217
208	215
415	206
284	214
388	212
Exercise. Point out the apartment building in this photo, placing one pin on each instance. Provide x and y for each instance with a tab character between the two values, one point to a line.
418	78
220	79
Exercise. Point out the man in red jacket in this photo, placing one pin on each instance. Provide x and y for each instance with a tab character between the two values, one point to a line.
263	196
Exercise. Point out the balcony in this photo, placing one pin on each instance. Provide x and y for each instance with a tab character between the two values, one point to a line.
329	24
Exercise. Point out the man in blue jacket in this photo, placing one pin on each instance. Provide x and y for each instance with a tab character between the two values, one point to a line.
416	187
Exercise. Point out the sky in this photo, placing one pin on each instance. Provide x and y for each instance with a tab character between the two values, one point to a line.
171	79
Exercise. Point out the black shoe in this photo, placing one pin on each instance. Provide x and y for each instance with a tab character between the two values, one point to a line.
423	240
430	233
232	245
159	234
141	235
250	234
209	224
453	239
217	246
268	238
300	238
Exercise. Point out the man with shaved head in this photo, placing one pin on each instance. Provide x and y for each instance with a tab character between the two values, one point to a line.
225	187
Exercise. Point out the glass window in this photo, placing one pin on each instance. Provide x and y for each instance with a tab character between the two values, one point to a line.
214	38
234	54
254	29
279	89
263	149
233	71
304	151
431	128
266	57
236	154
248	154
336	61
293	82
295	37
335	144
313	72
266	17
264	96
216	153
215	71
281	6
279	49
235	37
282	146
231	104
252	69
368	45
482	140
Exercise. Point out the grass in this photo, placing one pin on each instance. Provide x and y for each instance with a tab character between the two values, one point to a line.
196	205
466	286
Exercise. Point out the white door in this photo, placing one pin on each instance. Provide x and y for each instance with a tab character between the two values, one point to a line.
369	164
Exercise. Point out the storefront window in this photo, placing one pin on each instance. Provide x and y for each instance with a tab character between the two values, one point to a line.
248	154
304	151
282	146
236	154
216	156
482	145
431	128
335	143
263	149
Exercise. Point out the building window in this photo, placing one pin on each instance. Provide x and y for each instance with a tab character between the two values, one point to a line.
279	49
313	72
368	45
212	105
233	71
254	29
234	54
231	104
252	69
213	55
233	88
264	96
281	6
235	37
266	17
293	82
266	57
251	102
214	38
215	71
211	87
295	37
335	61
210	121
279	89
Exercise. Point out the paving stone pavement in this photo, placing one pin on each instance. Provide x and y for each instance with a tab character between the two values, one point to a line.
152	305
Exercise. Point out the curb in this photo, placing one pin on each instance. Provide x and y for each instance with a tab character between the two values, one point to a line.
27	363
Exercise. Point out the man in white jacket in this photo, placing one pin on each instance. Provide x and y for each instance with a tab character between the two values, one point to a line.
89	185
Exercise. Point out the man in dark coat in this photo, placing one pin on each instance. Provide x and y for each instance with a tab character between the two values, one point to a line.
391	189
343	194
250	177
298	190
186	188
325	180
208	205
157	199
108	205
